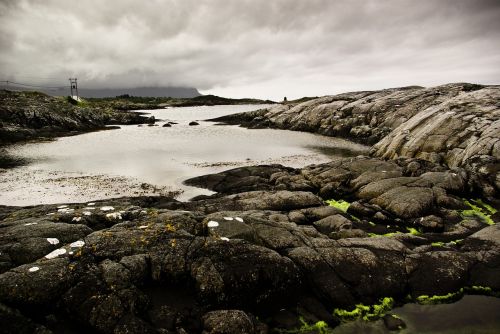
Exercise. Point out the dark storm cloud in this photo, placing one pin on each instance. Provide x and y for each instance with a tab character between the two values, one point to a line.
252	47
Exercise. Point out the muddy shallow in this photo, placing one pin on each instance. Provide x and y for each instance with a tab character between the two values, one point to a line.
145	160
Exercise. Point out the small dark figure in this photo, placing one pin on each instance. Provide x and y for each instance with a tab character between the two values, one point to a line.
285	99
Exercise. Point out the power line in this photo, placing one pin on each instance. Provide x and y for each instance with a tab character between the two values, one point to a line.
8	82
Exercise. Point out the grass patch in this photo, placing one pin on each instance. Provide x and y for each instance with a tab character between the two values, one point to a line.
367	313
340	204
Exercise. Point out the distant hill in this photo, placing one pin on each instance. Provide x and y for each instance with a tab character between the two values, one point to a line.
177	92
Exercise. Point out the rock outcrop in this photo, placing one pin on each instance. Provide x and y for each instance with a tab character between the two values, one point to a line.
457	125
264	253
29	115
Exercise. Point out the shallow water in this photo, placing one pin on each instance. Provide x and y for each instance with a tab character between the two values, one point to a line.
471	314
119	162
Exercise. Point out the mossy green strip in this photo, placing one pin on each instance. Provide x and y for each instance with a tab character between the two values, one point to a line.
439	299
438	244
374	235
488	207
483	211
319	327
413	231
340	204
365	312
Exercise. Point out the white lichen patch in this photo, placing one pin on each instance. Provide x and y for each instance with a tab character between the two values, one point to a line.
55	253
228	218
53	241
224	239
107	208
76	219
114	215
77	244
87	213
33	269
29	224
239	219
212	224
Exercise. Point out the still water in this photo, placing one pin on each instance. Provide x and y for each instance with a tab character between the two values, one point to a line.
135	160
470	315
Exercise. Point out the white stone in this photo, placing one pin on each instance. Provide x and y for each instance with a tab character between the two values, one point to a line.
212	224
114	215
62	206
76	244
143	226
91	204
239	219
107	208
76	219
224	239
29	224
55	253
228	218
53	241
33	269
87	213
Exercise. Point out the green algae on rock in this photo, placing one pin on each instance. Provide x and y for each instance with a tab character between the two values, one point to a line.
340	204
368	313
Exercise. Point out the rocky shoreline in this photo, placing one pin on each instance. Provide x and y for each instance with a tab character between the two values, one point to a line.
276	249
32	115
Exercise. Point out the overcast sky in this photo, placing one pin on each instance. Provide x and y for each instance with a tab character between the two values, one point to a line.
254	48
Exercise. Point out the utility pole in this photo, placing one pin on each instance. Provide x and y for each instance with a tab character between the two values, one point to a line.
74	88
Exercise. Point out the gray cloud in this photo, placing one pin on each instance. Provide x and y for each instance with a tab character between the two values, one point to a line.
256	48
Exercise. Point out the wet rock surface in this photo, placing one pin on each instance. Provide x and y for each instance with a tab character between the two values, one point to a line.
264	253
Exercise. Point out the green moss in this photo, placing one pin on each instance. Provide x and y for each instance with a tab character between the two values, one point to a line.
413	231
438	299
365	312
488	207
483	211
340	204
481	289
319	327
438	244
374	235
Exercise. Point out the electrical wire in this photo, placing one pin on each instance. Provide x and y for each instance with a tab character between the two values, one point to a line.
8	82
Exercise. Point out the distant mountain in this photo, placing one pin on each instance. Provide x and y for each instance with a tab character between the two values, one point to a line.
177	92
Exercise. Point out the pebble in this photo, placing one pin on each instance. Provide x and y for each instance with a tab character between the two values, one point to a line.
212	224
55	253
33	269
79	243
53	241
